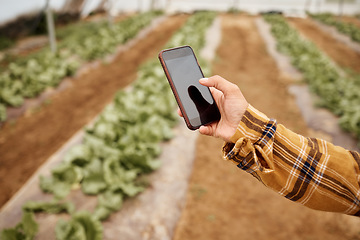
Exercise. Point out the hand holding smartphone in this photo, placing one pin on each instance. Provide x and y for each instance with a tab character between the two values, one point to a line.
183	72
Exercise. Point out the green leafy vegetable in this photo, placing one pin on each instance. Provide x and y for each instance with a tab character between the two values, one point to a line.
62	179
93	182
25	230
49	207
3	114
109	202
82	226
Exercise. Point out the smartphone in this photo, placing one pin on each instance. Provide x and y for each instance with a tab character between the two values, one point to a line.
183	72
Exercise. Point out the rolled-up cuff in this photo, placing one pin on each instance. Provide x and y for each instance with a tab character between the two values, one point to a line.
248	146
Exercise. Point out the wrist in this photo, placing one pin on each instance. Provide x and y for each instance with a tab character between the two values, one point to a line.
251	121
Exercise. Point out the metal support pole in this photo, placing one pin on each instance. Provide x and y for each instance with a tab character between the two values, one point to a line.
50	26
341	6
110	18
153	5
319	6
140	6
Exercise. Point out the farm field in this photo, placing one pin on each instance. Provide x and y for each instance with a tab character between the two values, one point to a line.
36	136
222	202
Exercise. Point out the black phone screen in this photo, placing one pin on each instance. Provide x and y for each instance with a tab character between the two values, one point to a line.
198	103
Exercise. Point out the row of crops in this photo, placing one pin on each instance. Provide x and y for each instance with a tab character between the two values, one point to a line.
27	78
346	28
338	90
117	151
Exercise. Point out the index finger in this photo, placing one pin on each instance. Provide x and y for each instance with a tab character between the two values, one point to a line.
179	112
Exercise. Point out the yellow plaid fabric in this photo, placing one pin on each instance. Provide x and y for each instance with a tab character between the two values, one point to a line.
310	171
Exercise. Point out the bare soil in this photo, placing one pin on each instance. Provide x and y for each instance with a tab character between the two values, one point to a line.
226	203
33	138
340	53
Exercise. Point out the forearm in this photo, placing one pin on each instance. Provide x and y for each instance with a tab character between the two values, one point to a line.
312	172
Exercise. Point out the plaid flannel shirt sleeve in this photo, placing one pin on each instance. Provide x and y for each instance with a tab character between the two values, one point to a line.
310	171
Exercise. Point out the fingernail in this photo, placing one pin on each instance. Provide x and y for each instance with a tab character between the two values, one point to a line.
203	79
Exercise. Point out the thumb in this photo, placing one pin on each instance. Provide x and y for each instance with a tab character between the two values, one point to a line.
219	83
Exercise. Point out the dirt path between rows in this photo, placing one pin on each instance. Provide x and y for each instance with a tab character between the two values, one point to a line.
226	203
337	51
28	143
